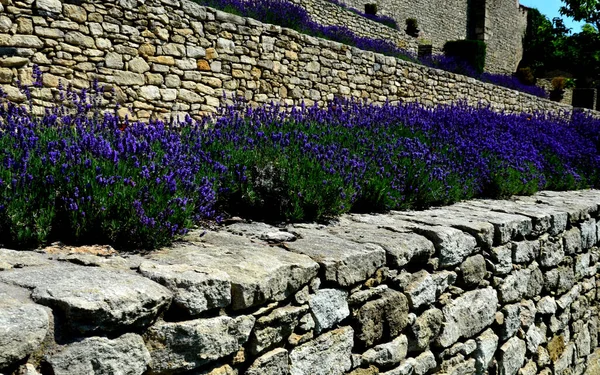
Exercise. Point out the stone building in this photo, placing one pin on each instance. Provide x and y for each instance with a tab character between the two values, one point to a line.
500	23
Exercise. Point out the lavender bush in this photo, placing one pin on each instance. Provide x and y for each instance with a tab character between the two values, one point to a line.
75	175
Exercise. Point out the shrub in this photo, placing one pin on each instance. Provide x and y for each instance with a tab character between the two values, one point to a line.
525	75
472	52
412	27
558	88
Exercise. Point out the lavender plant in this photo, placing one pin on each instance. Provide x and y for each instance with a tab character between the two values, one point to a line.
76	175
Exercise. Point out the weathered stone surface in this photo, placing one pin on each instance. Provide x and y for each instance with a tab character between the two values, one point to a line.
402	248
20	259
23	325
510	320
328	354
572	241
565	360
195	289
588	234
506	226
480	229
501	260
124	355
114	60
344	262
487	343
546	305
525	251
181	346
405	368
473	270
274	362
426	328
452	245
522	283
382	318
271	330
468	315
533	338
93	299
50	6
388	354
328	307
421	290
258	273
129	78
551	252
423	363
261	231
13	62
511	356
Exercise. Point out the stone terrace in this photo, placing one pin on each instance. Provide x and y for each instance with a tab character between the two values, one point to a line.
498	287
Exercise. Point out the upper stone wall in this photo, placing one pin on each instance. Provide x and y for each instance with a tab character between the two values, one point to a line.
327	13
500	23
439	20
171	57
506	23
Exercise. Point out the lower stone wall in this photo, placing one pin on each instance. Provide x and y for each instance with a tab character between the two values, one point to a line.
165	58
480	287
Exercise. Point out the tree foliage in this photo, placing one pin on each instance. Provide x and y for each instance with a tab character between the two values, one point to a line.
582	10
549	46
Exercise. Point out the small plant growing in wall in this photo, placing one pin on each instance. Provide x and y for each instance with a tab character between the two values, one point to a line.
412	27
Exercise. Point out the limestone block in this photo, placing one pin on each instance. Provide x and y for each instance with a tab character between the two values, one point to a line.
49	6
344	262
328	307
487	343
382	318
258	273
93	299
511	356
273	329
24	325
126	354
181	346
272	363
468	315
388	354
195	289
328	354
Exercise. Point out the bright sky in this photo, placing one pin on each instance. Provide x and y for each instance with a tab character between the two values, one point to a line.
550	9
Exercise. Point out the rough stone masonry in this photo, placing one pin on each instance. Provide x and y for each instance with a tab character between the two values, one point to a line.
480	287
167	58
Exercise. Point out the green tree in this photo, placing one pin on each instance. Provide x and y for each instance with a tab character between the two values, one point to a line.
582	10
583	56
544	43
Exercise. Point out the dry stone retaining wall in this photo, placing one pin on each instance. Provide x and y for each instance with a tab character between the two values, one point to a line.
480	287
171	57
327	13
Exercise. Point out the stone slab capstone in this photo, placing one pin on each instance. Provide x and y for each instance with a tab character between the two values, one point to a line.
258	272
93	299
